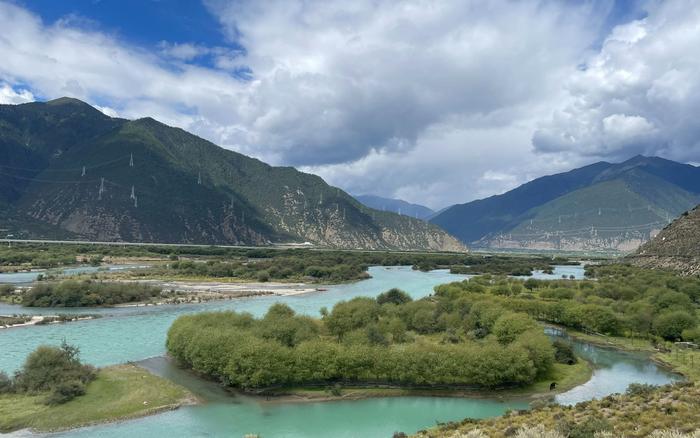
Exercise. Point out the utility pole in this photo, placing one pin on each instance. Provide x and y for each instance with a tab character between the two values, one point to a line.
102	189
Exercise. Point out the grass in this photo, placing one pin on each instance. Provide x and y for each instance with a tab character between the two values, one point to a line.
566	377
119	392
685	362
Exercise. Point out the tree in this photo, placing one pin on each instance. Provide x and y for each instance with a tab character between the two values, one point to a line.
511	325
394	296
563	352
350	315
670	325
55	369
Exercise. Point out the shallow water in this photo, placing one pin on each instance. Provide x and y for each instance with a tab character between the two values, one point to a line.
138	333
25	278
135	333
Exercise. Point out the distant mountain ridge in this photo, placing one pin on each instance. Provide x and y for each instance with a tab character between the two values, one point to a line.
603	206
396	206
67	170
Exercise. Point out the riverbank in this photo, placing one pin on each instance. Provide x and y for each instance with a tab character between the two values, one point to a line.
118	393
683	361
15	321
196	292
637	413
565	376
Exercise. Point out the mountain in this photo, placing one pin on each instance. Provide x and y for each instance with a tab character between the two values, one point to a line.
395	205
67	170
676	247
602	206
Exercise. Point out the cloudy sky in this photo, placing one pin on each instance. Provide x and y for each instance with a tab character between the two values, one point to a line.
435	102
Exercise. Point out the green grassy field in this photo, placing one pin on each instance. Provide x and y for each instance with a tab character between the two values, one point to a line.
685	362
119	392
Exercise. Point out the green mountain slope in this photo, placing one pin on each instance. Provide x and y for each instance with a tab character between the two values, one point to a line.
619	214
68	166
676	247
599	207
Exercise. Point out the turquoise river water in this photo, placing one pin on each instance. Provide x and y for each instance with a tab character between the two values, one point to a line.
138	334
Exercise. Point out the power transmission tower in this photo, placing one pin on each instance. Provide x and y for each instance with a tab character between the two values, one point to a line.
83	171
199	178
133	193
131	160
102	189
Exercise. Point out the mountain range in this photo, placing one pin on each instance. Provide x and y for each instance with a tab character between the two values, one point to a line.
396	205
69	171
603	206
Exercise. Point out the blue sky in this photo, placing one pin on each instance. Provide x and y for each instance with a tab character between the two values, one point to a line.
140	22
433	102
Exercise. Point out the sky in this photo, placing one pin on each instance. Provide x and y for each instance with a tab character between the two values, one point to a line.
434	102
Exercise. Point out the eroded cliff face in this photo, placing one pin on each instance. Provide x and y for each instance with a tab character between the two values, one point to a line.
676	247
332	226
622	243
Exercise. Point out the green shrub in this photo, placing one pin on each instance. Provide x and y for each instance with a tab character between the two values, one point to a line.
395	296
640	389
65	392
670	325
587	428
563	352
6	384
48	367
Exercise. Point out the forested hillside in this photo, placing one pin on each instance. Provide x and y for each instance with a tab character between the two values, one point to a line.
67	170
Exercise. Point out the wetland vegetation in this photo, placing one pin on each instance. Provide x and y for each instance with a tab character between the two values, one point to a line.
448	342
87	293
54	390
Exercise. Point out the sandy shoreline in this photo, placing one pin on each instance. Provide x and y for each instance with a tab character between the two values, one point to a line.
281	289
38	319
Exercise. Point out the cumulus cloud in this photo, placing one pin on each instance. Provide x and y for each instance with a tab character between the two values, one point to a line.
9	95
638	94
336	80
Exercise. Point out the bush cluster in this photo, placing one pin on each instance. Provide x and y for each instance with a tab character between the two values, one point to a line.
86	293
618	300
437	341
53	370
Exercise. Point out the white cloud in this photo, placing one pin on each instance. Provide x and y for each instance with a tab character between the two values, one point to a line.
183	51
9	95
435	102
638	94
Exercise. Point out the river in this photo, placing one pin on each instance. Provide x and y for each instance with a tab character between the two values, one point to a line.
137	334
